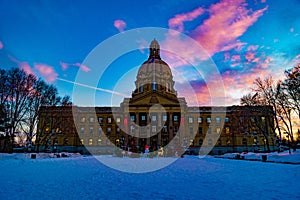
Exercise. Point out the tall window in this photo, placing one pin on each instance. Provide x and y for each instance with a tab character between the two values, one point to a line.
226	119
109	120
175	118
199	120
141	88
143	118
118	119
132	118
154	86
191	120
208	120
90	141
100	120
81	130
91	130
164	118
82	120
210	142
92	119
153	118
200	130
218	120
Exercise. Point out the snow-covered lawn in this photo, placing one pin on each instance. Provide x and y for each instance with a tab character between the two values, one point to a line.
282	157
84	177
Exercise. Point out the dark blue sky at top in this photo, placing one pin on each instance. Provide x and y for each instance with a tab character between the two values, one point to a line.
50	32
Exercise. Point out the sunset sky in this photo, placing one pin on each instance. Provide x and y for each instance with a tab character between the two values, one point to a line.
245	40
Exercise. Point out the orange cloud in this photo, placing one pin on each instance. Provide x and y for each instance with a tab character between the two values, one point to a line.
120	25
82	67
46	71
228	20
177	21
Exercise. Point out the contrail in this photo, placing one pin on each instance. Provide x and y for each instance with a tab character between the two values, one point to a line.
95	88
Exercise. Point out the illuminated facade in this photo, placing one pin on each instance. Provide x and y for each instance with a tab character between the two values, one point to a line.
155	116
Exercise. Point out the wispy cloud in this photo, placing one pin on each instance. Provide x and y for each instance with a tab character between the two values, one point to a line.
82	67
22	65
177	21
1	45
94	88
228	21
46	71
120	25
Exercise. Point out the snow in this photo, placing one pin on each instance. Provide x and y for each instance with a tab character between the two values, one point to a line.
282	157
191	177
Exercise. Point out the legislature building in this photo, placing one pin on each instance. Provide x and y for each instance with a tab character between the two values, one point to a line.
155	117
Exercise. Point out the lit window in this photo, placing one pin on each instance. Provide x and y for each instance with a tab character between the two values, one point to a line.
143	118
99	141
227	130
191	120
208	120
164	118
153	118
118	120
109	120
175	118
226	119
199	120
82	119
82	141
218	130
263	119
218	120
90	141
92	119
154	86
100	120
132	118
91	130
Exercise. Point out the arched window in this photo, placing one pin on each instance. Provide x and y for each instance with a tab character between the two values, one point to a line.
200	142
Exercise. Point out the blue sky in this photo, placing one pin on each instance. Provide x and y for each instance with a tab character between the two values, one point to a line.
245	39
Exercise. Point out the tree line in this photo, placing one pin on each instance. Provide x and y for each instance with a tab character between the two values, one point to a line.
284	97
21	96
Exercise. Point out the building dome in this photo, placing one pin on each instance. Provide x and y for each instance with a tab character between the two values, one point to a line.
154	74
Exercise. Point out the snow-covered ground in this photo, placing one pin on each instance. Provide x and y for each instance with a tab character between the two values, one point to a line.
191	177
282	157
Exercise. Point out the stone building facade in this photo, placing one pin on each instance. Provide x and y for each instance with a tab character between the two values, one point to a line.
157	117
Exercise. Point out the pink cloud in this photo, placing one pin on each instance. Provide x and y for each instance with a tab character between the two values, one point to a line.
82	67
177	21
120	25
1	45
228	20
22	65
46	71
250	56
235	58
252	47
